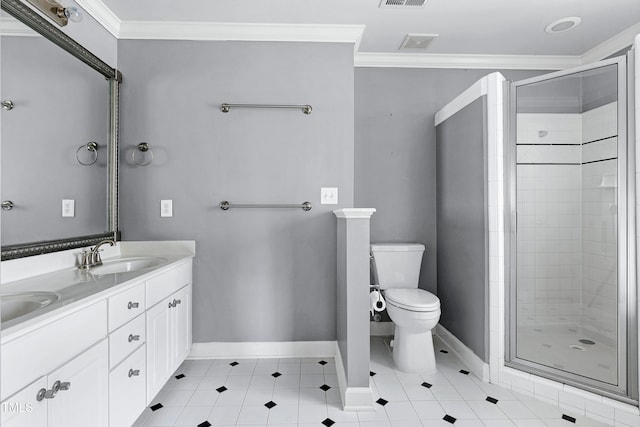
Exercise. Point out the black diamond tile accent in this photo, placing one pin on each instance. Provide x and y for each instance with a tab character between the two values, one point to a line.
156	407
427	385
234	363
324	387
270	404
371	373
568	418
328	422
381	401
322	362
462	371
444	351
449	419
221	389
276	374
491	399
179	377
204	424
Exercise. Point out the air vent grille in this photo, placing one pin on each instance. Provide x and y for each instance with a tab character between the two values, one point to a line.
417	41
404	4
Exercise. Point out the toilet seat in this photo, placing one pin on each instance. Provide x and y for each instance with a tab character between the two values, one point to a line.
412	299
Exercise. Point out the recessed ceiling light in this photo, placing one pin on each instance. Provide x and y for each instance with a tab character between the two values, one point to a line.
563	24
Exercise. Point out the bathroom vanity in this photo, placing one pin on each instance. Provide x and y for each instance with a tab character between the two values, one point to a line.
105	342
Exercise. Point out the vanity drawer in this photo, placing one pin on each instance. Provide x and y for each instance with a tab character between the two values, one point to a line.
127	390
160	287
125	306
125	340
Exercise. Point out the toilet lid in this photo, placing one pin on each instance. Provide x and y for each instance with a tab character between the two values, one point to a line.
412	299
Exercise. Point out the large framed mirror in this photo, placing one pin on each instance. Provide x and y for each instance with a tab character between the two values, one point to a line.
59	183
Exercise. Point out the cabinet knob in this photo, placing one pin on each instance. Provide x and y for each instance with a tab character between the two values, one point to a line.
41	394
134	372
134	337
132	305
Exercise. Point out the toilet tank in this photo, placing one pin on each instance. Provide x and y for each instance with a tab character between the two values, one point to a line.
396	265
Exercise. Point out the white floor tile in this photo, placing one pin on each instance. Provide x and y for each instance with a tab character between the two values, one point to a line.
429	410
231	397
486	410
515	410
194	415
253	414
283	414
173	397
224	415
287	381
203	398
312	413
400	411
458	409
336	414
311	380
163	417
445	392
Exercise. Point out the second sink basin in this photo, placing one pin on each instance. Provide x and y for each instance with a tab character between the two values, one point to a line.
18	304
124	265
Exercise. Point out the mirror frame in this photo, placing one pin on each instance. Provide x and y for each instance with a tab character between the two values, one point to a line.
36	22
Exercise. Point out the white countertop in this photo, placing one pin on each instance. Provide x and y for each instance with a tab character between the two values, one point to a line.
79	288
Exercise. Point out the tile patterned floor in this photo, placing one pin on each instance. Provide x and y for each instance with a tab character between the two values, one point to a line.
304	392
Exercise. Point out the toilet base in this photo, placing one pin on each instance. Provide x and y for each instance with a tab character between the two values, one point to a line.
413	351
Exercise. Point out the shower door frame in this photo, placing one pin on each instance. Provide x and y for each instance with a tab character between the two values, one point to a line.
627	345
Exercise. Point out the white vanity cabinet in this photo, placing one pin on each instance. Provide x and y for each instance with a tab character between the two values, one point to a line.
168	326
101	362
80	399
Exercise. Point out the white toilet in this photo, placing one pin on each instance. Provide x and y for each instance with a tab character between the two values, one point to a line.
415	312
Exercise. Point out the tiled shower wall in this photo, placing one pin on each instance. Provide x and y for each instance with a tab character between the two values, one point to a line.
549	235
566	219
599	221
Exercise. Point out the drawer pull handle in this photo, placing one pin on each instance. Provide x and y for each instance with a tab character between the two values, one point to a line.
134	372
132	305
41	393
65	385
57	386
177	302
134	337
171	304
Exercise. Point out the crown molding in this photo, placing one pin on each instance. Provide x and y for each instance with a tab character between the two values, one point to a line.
217	31
611	46
12	27
502	62
102	14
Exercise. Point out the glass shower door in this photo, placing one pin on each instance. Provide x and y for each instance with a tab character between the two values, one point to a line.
568	295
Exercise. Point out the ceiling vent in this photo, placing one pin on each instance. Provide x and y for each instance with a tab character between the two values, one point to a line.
417	41
402	4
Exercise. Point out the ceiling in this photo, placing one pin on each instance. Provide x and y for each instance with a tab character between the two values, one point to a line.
488	27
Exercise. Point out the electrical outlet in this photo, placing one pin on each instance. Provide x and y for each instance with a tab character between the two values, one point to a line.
68	208
328	196
166	208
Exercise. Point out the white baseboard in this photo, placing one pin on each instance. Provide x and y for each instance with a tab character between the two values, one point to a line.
251	350
353	398
464	353
381	329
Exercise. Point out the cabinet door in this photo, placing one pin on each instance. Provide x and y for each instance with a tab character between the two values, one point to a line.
23	409
181	326
85	402
159	366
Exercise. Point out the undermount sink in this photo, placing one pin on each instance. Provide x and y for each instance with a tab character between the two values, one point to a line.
125	265
18	304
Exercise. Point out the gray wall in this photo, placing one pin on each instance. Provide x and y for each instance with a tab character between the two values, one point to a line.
395	164
259	274
60	104
463	232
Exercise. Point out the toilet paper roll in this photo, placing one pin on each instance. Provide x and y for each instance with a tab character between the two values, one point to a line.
376	302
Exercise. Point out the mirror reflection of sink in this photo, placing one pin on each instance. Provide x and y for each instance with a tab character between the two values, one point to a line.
18	304
124	265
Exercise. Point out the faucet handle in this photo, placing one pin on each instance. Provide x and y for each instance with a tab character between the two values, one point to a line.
85	258
96	257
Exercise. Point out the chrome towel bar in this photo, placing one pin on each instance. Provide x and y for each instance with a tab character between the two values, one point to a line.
225	205
225	108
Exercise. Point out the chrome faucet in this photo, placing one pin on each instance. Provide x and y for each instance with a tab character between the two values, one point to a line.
91	258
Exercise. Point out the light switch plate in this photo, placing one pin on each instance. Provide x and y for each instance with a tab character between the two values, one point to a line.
328	196
166	208
68	208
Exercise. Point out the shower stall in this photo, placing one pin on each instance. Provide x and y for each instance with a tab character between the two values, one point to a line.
571	291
